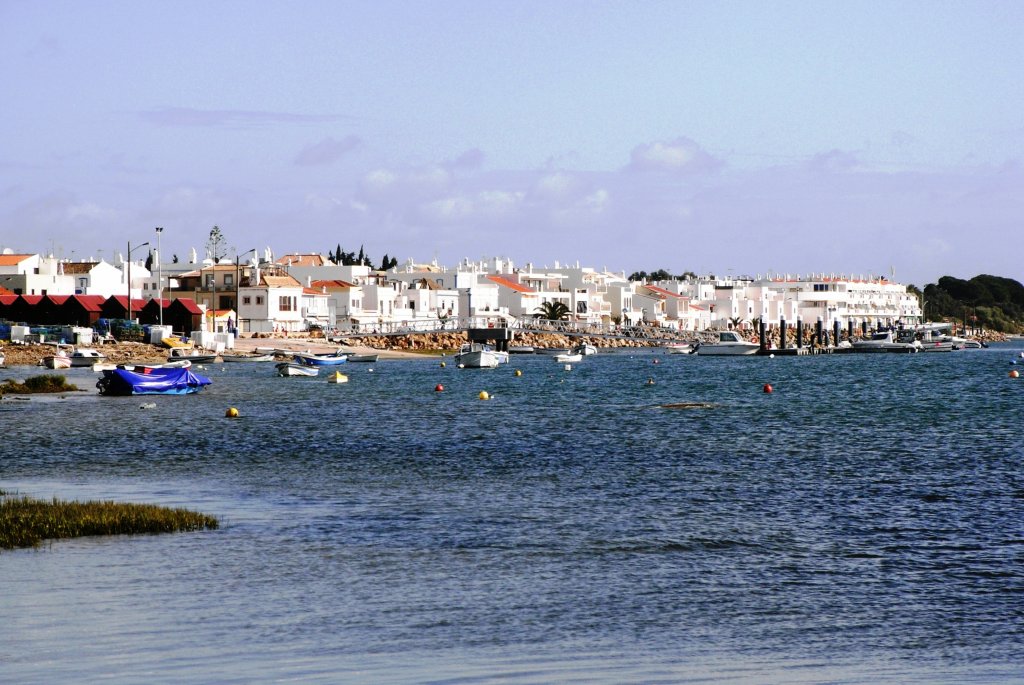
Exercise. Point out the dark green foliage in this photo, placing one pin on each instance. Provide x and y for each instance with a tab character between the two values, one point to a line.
25	522
660	275
985	301
38	384
552	311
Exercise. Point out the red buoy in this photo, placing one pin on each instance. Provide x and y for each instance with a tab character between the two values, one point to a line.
768	388
438	388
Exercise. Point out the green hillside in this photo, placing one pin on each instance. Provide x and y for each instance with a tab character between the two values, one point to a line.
989	302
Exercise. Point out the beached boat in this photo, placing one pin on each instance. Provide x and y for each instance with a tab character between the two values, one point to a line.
157	381
311	359
478	356
85	357
292	369
729	343
568	357
191	354
58	360
247	357
364	358
882	341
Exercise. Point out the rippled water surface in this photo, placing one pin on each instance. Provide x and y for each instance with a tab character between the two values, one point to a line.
862	523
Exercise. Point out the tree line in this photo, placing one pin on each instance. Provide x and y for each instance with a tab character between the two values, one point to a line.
340	257
985	301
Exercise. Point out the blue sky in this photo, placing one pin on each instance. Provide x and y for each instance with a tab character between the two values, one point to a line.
724	137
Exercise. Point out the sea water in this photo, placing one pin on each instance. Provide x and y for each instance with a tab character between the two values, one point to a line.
862	523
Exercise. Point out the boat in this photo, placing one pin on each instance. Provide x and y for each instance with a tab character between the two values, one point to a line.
58	360
584	349
551	350
479	356
2	358
311	359
86	357
357	358
338	377
247	357
157	381
292	369
521	349
729	343
568	357
882	341
191	354
679	348
968	344
146	368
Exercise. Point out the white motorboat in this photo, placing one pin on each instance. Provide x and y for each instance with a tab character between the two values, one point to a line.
551	350
58	360
971	344
86	357
882	341
585	349
478	356
729	344
569	357
292	369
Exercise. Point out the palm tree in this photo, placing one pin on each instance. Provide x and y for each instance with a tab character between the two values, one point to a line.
552	311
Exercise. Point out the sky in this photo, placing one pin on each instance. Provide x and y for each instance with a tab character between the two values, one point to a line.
731	138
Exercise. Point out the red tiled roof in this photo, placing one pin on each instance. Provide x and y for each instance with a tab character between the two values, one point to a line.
13	259
333	284
661	291
518	287
313	291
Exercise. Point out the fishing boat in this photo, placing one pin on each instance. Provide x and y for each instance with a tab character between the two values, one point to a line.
58	360
83	357
247	357
569	357
371	358
679	348
882	341
292	369
585	349
156	381
191	354
729	344
478	356
311	359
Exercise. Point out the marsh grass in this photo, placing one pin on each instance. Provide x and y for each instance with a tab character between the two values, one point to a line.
25	522
52	382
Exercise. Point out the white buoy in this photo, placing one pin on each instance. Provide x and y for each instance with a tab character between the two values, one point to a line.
568	367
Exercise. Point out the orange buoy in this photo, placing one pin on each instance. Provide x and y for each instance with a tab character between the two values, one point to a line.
438	388
768	388
1014	373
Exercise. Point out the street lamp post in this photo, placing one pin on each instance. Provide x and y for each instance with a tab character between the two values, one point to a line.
130	248
238	317
159	274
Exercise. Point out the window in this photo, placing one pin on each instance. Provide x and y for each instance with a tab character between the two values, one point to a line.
246	299
284	303
581	307
209	280
229	279
259	299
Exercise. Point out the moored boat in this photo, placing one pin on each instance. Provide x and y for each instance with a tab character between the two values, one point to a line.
729	343
311	359
679	348
292	369
478	356
584	349
882	341
363	358
191	354
247	357
85	357
569	357
156	381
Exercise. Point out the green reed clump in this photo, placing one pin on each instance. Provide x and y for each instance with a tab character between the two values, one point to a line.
52	382
25	522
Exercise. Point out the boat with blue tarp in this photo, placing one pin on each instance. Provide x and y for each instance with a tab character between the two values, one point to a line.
151	381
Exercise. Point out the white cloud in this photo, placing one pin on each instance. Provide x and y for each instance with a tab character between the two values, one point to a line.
326	151
681	155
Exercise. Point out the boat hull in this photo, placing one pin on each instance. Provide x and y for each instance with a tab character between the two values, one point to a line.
726	350
478	359
291	369
160	381
316	360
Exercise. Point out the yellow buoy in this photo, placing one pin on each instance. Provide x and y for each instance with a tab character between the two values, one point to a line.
443	365
518	372
483	395
338	377
231	413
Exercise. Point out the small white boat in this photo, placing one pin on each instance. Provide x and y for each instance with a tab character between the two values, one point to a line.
371	358
968	344
569	357
58	360
551	350
679	348
2	358
247	357
85	357
290	369
193	355
585	349
729	344
477	356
